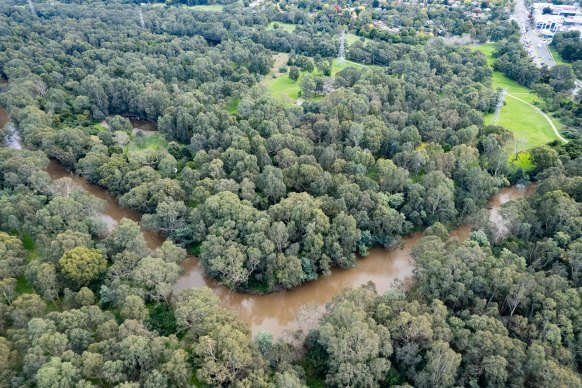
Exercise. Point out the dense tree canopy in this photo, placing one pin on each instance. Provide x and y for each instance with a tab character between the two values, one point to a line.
174	116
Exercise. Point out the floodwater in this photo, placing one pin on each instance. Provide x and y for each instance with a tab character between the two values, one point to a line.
145	126
112	212
290	310
286	311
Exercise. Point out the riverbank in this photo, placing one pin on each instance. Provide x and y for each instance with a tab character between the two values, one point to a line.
286	311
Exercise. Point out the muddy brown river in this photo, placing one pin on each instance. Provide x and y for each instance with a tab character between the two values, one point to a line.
289	310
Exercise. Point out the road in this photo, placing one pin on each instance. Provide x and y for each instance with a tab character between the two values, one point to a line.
533	44
536	46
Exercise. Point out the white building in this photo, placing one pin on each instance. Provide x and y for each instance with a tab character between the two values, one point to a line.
562	18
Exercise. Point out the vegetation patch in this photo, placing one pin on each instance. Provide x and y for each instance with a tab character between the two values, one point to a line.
208	7
522	161
288	91
353	38
528	126
232	105
287	27
153	142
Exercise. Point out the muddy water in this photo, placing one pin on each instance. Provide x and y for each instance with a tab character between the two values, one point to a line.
112	213
143	125
282	311
386	268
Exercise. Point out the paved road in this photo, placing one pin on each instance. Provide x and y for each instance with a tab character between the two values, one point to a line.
536	46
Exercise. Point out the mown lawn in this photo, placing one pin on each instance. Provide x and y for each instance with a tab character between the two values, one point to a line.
289	27
352	38
529	127
208	7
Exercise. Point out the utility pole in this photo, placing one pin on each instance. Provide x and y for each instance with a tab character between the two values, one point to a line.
32	10
141	19
341	57
499	106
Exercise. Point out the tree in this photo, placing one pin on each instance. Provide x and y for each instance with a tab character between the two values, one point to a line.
270	182
8	290
46	279
134	308
57	373
12	256
294	74
82	265
308	86
66	240
358	348
24	308
156	276
562	78
234	241
441	368
225	355
126	236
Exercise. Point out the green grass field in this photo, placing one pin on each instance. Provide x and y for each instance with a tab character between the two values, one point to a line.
100	127
529	127
523	161
208	7
352	38
155	141
232	105
287	91
289	27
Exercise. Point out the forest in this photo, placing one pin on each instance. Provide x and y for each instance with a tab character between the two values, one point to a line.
269	195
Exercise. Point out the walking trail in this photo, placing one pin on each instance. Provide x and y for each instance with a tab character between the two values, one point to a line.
543	114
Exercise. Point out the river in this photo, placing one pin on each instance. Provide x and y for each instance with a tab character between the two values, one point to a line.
282	311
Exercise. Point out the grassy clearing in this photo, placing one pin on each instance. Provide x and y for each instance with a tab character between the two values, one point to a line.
337	67
287	91
352	38
154	142
284	89
288	27
523	161
529	127
280	60
23	286
232	105
100	127
208	7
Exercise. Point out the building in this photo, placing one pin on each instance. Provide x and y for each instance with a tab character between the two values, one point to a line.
561	18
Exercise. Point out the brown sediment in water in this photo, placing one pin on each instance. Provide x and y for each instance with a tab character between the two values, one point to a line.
386	268
112	213
279	312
